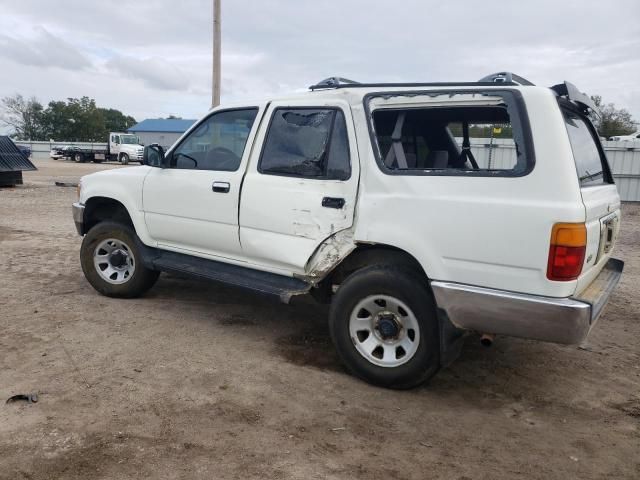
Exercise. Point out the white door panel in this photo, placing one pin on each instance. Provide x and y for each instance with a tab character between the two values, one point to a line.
282	218
193	205
183	211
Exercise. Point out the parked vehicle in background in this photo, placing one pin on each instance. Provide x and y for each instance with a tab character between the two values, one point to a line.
369	197
121	147
25	150
626	138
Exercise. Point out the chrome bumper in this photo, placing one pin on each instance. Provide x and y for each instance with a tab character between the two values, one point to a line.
559	320
78	217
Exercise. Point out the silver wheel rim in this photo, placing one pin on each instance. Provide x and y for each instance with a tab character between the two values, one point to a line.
384	330
114	261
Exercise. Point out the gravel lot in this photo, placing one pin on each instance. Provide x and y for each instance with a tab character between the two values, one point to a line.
198	380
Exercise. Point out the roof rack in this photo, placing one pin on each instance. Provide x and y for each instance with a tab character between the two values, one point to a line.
504	78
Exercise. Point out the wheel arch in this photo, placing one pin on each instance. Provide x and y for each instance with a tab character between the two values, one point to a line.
99	209
367	254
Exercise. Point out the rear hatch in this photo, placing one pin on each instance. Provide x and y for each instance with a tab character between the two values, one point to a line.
599	193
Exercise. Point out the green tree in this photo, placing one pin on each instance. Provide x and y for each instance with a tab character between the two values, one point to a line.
23	116
116	121
612	121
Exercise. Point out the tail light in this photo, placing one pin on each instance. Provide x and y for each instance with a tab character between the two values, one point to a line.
567	250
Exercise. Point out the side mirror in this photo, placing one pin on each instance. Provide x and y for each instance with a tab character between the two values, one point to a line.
153	156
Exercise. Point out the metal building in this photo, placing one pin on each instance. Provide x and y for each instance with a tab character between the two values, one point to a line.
163	131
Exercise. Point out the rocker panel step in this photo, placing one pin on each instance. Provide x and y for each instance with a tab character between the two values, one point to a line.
263	282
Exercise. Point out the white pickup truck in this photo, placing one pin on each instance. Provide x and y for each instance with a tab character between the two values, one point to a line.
121	147
419	211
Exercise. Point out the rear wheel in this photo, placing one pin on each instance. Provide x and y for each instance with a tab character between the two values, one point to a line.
112	261
78	157
124	158
384	325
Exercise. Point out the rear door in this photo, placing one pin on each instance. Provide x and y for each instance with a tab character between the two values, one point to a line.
599	194
301	184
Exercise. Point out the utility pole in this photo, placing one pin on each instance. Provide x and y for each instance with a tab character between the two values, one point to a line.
217	36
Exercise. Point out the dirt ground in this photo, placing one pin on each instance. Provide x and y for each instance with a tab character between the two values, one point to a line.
197	380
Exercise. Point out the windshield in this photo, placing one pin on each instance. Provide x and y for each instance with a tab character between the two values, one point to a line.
129	139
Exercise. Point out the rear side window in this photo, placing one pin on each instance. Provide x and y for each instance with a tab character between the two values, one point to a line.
469	133
307	143
589	162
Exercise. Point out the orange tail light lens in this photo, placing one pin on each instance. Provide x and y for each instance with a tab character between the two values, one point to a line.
567	250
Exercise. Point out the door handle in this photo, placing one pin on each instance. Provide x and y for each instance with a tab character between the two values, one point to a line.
333	202
221	187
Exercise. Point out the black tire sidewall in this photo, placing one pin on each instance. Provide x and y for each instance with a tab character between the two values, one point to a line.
410	288
142	278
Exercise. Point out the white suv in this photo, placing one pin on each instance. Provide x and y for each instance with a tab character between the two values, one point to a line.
420	211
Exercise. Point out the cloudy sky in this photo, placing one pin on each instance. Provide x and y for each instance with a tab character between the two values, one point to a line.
152	58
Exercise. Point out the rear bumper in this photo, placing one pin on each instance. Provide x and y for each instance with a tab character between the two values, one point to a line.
78	217
559	320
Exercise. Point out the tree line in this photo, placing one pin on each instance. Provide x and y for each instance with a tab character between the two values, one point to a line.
80	120
73	119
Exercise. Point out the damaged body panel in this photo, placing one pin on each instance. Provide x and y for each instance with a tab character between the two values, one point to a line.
329	255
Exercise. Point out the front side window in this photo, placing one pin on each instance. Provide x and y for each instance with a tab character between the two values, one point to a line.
307	142
586	154
218	143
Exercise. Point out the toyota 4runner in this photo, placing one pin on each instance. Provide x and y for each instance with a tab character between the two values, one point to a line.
419	211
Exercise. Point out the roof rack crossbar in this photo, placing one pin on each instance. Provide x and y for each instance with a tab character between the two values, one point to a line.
506	77
334	82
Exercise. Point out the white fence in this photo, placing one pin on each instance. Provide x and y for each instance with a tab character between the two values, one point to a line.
624	159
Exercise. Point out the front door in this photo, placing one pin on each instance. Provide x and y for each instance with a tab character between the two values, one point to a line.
301	186
192	205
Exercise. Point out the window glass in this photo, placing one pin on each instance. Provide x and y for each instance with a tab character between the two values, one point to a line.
310	143
218	143
434	139
585	150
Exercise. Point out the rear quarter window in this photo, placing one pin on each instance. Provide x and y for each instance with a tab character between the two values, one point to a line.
590	164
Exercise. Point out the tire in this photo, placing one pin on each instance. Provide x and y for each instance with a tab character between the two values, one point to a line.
78	157
389	308
124	158
112	261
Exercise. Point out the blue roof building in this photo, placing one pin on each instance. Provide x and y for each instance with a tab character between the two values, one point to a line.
163	131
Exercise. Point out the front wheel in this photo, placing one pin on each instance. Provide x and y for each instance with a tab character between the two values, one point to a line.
124	159
384	325
112	261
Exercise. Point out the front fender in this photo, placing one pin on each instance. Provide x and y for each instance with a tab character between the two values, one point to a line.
125	186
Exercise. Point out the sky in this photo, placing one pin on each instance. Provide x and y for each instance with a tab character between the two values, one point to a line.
152	58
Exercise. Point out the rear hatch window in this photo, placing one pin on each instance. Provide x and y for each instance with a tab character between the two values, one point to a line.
590	161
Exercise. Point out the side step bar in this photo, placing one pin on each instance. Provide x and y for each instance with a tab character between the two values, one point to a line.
271	284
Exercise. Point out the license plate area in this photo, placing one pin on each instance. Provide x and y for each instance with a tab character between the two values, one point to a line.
608	234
